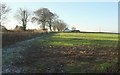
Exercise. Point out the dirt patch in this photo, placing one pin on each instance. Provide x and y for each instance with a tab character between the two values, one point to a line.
56	59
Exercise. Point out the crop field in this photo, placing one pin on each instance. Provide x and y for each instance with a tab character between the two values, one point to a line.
70	53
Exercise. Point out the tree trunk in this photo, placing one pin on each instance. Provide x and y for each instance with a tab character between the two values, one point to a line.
43	25
23	24
24	20
50	25
24	27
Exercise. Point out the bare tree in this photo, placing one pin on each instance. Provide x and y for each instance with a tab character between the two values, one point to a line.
54	25
59	25
51	18
22	16
54	28
43	16
4	9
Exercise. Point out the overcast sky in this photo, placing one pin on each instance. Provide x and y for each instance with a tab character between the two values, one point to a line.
85	16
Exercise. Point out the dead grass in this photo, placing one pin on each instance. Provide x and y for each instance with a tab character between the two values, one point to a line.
11	37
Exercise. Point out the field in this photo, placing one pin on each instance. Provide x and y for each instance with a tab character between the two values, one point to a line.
77	39
69	53
11	37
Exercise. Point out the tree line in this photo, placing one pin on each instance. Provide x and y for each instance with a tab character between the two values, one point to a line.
43	16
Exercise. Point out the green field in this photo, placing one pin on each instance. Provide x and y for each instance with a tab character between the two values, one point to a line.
77	39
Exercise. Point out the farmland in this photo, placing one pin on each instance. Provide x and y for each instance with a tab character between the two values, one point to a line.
67	53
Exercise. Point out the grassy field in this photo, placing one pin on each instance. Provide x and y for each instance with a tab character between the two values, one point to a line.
71	53
77	39
78	52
